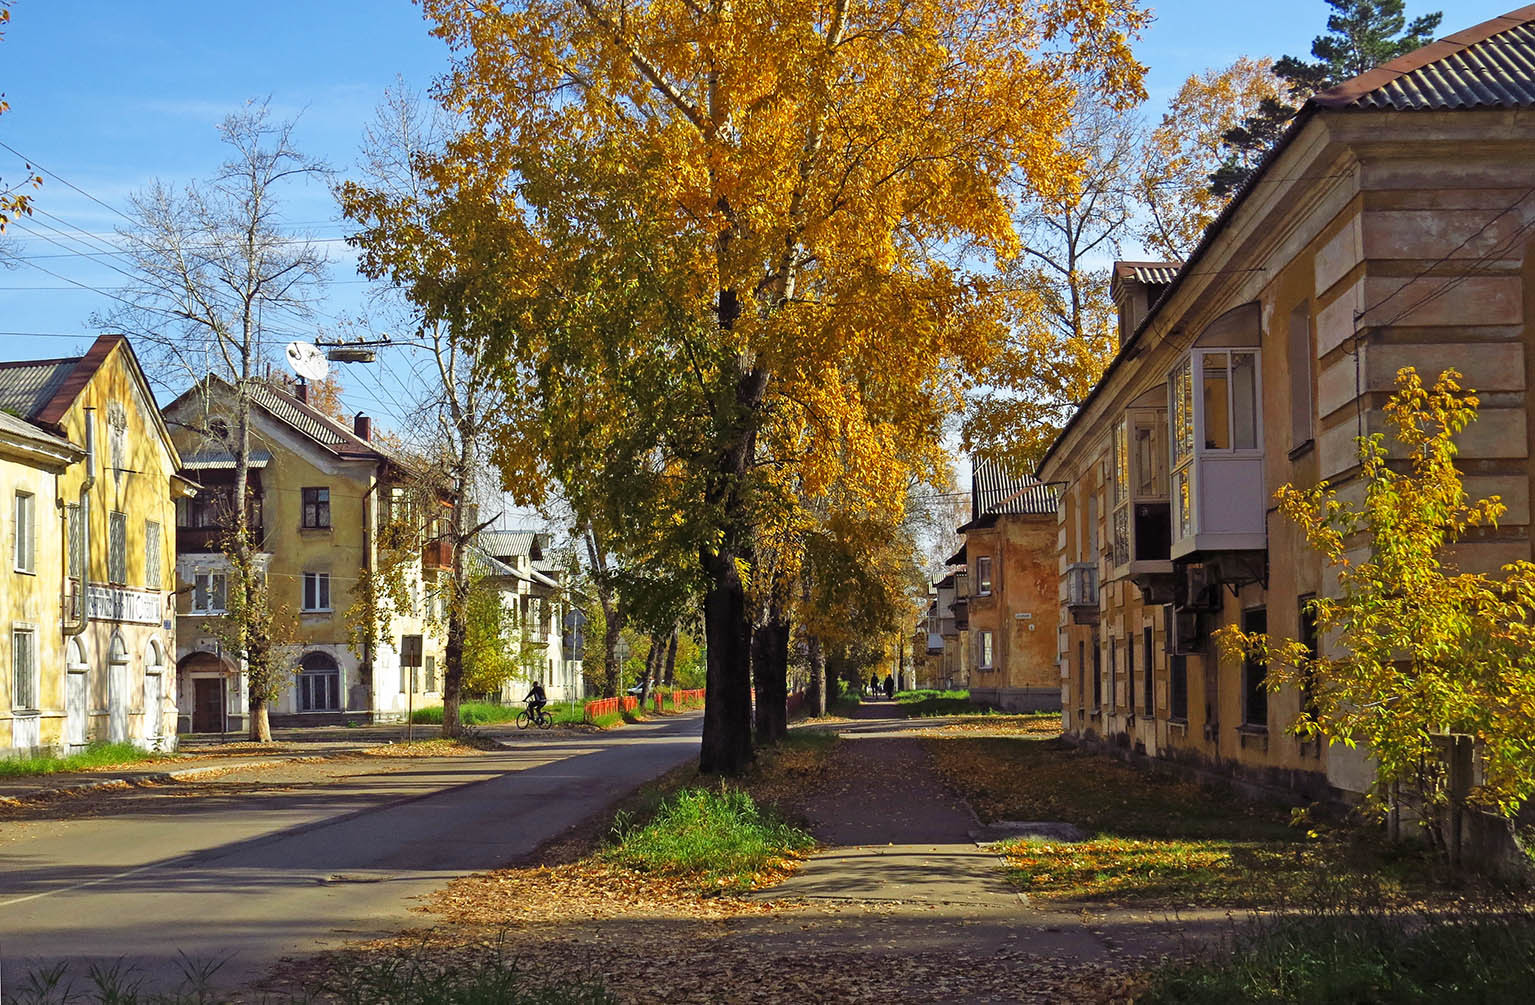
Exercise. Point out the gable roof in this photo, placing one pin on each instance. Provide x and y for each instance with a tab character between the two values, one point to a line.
42	391
1489	65
505	543
995	492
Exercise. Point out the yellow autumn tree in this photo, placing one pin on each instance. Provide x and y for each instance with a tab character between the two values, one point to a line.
14	200
817	192
1186	147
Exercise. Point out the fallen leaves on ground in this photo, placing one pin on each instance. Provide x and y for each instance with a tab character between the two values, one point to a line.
440	746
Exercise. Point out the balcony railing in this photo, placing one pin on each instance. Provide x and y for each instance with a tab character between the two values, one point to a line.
961	609
1082	592
207	540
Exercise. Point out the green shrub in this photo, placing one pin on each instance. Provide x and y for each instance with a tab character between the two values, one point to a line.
97	755
930	702
719	839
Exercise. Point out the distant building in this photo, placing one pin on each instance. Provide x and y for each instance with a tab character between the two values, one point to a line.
550	627
1009	558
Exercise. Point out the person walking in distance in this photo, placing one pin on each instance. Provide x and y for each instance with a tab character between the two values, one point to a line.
889	687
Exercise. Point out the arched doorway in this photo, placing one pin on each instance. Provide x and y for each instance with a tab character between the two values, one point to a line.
205	680
319	683
117	690
77	696
154	693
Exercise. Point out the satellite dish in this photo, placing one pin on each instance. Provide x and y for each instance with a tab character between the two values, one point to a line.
307	361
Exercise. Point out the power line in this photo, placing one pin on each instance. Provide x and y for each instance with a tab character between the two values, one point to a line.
66	182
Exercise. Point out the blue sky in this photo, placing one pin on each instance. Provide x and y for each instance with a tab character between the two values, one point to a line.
109	95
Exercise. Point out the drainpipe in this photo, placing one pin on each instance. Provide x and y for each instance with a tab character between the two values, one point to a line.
78	628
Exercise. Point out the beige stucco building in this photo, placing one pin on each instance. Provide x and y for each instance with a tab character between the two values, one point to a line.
549	625
89	475
1393	225
320	491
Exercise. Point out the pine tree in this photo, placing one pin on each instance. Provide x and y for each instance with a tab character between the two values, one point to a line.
1361	35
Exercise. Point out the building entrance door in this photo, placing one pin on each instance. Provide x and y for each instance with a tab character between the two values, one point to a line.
208	705
77	693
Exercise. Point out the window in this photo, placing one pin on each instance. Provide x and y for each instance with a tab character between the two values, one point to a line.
1302	368
1309	640
1082	673
319	683
316	591
316	508
1097	672
431	674
24	669
209	593
1113	695
25	550
1130	675
1255	704
117	548
1178	681
983	650
1149	697
74	527
983	575
152	555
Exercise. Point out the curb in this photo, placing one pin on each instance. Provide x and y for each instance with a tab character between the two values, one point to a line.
158	777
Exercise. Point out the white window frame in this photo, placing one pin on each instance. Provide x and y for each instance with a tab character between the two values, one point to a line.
208	591
316	593
29	632
983	579
24	540
984	650
154	555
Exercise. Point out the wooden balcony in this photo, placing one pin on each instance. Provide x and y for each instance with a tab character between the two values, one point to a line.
437	554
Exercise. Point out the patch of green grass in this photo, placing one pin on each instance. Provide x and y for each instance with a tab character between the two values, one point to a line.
915	704
470	713
716	839
97	755
1484	955
609	720
1153	839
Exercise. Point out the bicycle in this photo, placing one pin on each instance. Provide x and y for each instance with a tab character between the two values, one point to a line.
542	718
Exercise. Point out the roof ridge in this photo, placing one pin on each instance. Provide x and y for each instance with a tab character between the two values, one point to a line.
1351	90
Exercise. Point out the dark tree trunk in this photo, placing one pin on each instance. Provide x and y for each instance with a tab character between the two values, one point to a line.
727	739
671	660
818	677
762	676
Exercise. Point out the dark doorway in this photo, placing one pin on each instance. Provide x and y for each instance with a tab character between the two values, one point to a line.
208	705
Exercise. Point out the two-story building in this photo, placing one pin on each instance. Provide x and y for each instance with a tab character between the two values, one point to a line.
329	506
90	475
1392	225
549	624
1009	558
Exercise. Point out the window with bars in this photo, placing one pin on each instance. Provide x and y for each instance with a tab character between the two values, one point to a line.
316	508
316	591
24	669
25	526
74	527
117	548
152	555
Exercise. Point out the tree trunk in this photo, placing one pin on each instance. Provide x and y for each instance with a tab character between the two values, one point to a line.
762	675
727	740
818	677
776	685
612	625
671	660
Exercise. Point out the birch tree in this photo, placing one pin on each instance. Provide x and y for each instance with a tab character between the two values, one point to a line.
218	284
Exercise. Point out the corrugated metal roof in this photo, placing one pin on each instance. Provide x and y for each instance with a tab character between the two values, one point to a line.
24	430
214	460
25	387
1152	273
996	492
288	410
1491	65
506	542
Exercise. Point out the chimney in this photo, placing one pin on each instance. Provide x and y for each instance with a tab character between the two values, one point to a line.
363	426
301	391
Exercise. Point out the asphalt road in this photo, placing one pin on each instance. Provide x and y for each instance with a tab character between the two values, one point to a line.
252	881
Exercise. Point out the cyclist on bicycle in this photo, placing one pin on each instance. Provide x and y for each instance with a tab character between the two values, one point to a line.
536	700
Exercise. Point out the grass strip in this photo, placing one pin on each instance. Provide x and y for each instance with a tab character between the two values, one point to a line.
717	838
925	702
96	756
1469	954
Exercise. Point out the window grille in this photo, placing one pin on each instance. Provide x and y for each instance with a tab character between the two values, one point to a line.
152	555
117	548
75	527
25	552
23	669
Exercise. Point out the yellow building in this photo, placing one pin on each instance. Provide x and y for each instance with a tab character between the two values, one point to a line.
86	459
318	492
1389	227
